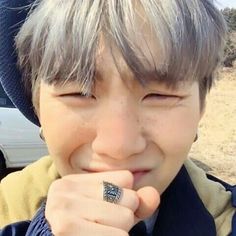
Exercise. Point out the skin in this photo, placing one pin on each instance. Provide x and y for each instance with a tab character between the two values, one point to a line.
134	136
122	127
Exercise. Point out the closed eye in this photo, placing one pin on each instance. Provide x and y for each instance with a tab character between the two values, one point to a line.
159	96
161	100
78	95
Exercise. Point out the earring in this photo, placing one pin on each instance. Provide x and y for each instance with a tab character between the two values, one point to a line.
196	138
41	134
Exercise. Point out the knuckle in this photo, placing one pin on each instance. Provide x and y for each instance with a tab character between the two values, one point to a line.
61	198
67	227
57	185
133	200
61	185
60	229
128	176
54	186
128	214
54	193
122	233
128	219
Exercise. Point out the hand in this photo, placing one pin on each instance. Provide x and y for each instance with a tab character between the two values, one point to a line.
75	205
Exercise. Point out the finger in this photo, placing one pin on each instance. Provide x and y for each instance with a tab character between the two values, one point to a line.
105	213
81	207
149	200
122	178
129	198
83	227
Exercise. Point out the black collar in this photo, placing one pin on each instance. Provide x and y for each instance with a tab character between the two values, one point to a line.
182	212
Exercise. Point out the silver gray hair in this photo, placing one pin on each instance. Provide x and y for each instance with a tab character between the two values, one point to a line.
59	40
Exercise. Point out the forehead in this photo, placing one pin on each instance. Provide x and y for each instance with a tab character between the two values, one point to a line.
110	61
140	41
139	52
142	37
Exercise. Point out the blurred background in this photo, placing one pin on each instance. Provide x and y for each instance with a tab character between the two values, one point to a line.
214	151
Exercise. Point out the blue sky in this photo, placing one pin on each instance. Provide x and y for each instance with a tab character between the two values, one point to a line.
226	3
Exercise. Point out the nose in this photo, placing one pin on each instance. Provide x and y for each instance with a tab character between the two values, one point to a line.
119	133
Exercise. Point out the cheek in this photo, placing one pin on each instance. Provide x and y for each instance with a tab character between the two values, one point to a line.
64	132
174	131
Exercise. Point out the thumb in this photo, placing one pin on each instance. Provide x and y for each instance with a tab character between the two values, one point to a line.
149	200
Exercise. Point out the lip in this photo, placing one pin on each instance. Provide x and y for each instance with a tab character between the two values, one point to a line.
133	171
138	174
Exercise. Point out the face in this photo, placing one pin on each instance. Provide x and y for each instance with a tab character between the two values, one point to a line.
121	125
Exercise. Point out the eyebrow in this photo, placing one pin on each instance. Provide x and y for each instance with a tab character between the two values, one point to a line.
157	77
148	76
154	76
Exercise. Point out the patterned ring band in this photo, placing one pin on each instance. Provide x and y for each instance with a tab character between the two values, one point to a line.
111	192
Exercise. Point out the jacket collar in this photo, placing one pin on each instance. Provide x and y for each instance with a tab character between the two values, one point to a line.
182	211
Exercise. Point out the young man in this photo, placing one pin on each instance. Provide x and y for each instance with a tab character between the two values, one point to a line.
119	89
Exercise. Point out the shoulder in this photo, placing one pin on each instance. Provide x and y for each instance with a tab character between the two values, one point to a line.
38	226
218	197
20	188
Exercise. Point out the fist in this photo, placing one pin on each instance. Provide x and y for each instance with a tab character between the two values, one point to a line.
75	205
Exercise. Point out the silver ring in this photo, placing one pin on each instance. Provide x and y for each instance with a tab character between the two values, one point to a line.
111	193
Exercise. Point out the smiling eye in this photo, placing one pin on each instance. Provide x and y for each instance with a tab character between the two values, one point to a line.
78	95
161	100
159	96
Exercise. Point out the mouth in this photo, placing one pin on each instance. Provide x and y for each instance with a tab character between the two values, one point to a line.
138	174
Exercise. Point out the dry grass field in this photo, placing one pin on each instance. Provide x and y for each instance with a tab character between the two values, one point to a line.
215	150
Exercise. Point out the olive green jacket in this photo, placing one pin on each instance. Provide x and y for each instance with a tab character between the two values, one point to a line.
22	192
